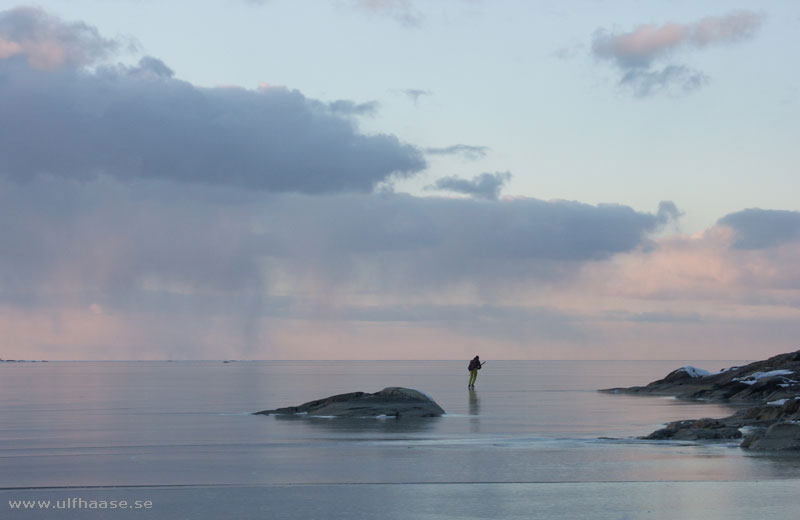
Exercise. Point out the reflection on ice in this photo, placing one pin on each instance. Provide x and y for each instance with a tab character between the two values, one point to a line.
360	424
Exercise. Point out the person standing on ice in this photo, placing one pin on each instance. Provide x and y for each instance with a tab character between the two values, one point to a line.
473	368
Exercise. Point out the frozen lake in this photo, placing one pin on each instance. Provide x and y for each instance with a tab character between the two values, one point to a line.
534	439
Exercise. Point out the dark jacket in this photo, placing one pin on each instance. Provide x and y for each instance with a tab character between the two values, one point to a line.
474	365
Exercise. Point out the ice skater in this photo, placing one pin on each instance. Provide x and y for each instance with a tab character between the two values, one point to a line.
473	368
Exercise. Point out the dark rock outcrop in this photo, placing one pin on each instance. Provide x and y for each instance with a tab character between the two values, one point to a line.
692	430
780	436
772	386
390	402
775	378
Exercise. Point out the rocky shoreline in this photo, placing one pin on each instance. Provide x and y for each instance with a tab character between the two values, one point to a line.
771	386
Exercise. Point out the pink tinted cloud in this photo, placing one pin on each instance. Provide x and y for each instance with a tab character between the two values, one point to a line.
733	27
638	48
677	265
647	41
47	42
9	49
701	268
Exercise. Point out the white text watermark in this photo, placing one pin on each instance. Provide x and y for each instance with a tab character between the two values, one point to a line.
80	503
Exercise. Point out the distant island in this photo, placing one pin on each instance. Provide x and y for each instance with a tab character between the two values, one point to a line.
772	386
22	361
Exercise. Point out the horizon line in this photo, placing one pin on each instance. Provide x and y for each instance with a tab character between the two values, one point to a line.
335	360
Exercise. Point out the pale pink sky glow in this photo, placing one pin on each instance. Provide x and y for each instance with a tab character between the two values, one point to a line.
643	304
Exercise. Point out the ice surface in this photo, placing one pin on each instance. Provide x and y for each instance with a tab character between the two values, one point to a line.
453	501
80	424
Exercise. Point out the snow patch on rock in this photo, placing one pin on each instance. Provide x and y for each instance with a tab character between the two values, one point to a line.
696	372
756	376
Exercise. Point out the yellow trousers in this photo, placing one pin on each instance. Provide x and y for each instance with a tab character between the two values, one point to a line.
473	375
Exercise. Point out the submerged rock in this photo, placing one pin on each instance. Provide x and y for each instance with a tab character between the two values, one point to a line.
393	401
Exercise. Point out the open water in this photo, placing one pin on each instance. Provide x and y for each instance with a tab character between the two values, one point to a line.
533	440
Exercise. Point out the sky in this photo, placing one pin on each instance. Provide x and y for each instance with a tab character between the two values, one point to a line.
399	179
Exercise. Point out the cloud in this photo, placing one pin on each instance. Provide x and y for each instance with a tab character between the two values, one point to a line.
668	212
747	259
193	270
151	68
521	323
647	43
176	265
654	317
469	152
345	107
445	229
140	122
46	42
104	235
762	229
636	53
146	217
485	185
674	79
414	94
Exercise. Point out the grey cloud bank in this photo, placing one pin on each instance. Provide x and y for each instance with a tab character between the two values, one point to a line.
761	228
170	260
141	122
105	238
